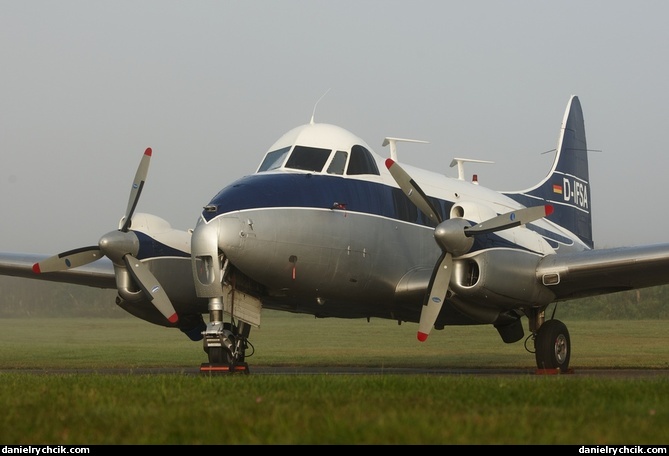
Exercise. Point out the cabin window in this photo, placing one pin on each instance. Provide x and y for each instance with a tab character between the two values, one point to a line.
361	162
338	163
274	159
308	158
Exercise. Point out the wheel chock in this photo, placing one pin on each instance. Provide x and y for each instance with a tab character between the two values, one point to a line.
553	371
208	368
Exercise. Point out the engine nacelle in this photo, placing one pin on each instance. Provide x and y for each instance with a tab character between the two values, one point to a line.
500	278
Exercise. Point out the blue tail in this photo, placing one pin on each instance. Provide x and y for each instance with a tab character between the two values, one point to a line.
567	186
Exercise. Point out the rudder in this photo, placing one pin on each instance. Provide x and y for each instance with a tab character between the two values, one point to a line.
567	186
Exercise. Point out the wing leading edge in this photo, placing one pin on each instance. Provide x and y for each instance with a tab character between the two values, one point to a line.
99	274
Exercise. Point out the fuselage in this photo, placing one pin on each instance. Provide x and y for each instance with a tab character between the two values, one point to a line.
323	240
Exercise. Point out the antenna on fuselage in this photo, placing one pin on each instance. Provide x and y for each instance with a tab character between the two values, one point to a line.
313	114
393	144
461	166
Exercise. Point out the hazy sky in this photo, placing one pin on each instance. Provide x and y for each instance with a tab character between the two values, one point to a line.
210	85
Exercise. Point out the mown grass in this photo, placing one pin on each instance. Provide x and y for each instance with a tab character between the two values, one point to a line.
92	408
331	409
287	339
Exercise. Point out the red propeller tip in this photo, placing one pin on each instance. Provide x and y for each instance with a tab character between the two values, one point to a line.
389	162
174	318
36	269
422	336
549	209
148	151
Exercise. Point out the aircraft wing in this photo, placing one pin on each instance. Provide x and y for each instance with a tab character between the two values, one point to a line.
599	271
571	275
99	274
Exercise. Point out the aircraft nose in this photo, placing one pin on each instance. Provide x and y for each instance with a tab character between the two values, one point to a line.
204	255
231	233
209	240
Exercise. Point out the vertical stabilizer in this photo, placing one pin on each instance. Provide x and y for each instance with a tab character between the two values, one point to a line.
567	186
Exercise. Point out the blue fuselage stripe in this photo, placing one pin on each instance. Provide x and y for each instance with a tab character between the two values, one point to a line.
328	192
323	192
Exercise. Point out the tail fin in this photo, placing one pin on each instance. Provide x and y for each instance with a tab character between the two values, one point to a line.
567	186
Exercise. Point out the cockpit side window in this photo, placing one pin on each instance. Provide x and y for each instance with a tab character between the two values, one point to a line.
361	162
308	158
274	159
338	162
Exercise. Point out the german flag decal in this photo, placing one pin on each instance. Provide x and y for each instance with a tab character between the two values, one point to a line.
557	189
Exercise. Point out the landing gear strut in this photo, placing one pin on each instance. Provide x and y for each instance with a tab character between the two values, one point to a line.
225	345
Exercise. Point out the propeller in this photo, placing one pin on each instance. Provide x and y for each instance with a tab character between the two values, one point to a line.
455	237
119	246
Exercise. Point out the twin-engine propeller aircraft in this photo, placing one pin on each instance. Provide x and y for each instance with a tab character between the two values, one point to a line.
327	227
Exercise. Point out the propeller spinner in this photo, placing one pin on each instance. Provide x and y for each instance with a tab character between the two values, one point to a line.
455	237
121	247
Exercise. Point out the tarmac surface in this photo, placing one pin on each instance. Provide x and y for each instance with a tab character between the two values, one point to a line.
324	370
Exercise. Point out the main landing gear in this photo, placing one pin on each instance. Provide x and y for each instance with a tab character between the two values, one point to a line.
552	345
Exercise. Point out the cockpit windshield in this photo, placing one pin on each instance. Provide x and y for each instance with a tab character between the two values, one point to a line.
338	163
274	159
313	159
308	158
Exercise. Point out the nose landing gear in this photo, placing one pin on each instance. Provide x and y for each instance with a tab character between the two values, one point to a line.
226	345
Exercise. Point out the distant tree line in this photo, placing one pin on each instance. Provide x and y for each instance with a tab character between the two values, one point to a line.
33	298
643	304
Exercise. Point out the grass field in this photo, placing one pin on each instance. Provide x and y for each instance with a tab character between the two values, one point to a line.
327	409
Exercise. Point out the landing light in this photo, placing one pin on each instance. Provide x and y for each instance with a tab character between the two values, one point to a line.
551	279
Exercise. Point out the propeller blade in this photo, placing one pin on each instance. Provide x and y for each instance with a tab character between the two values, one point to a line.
137	186
151	288
439	283
116	245
68	260
412	190
510	220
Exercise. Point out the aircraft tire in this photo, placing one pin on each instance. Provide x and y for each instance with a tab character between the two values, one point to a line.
553	346
215	355
219	355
